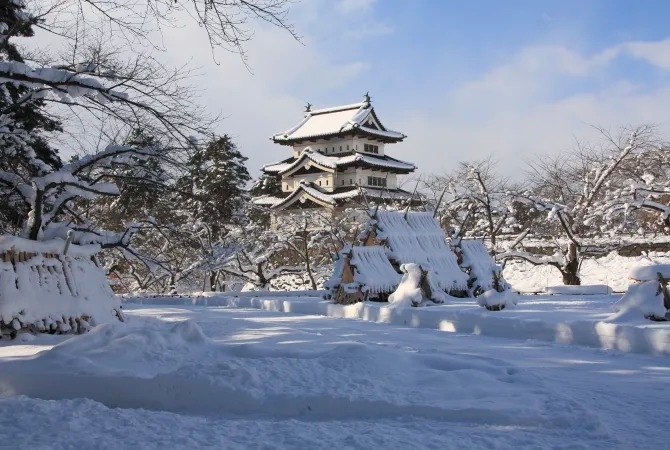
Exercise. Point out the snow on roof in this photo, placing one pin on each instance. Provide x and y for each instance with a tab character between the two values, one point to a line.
268	200
338	269
372	269
416	237
332	198
385	161
373	193
332	162
304	187
336	120
277	166
482	265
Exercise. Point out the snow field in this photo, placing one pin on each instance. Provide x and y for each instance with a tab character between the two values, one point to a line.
587	321
207	376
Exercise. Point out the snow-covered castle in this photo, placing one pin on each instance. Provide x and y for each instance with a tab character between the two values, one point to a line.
339	157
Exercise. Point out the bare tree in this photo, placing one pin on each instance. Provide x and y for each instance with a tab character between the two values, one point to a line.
575	190
473	200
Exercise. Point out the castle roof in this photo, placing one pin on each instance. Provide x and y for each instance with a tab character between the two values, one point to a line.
308	191
331	163
354	119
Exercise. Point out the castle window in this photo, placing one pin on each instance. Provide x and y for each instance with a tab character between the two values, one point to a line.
347	147
377	181
351	181
340	148
319	182
342	182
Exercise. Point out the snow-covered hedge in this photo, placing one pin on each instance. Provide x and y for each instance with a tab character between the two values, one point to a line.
584	289
41	289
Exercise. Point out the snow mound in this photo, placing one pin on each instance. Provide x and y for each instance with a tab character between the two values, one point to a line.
643	300
121	349
495	301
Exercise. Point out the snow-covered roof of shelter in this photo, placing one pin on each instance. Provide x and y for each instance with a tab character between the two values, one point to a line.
416	237
482	266
372	269
330	163
356	117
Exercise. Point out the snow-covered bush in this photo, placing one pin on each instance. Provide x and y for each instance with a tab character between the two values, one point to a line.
416	287
641	300
648	297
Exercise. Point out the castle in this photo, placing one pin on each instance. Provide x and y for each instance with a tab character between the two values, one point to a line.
339	159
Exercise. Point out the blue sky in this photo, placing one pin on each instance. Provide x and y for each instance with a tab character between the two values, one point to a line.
462	79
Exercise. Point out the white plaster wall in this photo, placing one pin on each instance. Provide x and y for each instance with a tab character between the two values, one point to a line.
346	175
333	147
326	179
363	174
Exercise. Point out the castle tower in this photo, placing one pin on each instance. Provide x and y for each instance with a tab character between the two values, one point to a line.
339	156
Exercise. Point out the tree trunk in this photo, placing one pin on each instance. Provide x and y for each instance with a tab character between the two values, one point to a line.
262	281
570	271
34	224
173	284
213	276
309	268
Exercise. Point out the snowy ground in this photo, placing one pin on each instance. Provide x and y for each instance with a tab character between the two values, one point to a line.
247	378
587	320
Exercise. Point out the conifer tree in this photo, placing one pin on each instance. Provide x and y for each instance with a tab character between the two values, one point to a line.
216	179
23	147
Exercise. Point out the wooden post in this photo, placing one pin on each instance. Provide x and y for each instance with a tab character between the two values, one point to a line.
70	234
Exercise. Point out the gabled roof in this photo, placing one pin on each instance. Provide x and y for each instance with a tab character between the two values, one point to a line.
305	191
308	191
331	163
416	237
357	118
372	269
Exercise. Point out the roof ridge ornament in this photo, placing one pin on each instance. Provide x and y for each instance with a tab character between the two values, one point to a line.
366	98
308	107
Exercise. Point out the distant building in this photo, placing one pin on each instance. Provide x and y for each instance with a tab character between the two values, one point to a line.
339	157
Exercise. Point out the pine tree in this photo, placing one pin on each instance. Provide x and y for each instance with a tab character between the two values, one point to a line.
266	184
216	182
24	149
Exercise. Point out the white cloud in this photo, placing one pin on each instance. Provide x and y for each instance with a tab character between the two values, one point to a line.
656	53
355	6
271	98
518	110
